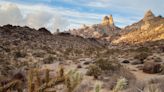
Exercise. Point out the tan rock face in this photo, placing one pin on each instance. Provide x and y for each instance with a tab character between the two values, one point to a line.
105	21
111	22
108	21
149	15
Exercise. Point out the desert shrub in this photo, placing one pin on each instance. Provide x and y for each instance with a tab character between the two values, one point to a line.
68	51
94	71
20	54
78	51
141	56
111	51
108	65
49	60
39	54
142	49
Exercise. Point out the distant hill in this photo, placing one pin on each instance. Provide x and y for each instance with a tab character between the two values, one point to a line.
150	28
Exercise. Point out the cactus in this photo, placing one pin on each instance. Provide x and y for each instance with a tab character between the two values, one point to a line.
121	84
73	79
47	79
30	80
97	88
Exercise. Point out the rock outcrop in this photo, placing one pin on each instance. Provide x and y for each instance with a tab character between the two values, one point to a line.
108	21
150	28
105	29
149	15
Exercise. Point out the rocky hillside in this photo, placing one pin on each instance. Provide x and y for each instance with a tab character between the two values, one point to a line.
150	28
16	36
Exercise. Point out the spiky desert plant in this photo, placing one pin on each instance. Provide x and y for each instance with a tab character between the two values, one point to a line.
97	88
47	79
13	84
73	79
121	84
30	81
61	71
153	88
37	81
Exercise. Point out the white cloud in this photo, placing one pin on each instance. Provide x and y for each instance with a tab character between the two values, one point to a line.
35	16
10	13
38	19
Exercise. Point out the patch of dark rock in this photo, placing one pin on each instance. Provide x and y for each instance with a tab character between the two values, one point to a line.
125	61
86	63
79	66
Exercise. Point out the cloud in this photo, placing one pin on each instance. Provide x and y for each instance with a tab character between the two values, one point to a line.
33	16
38	19
10	13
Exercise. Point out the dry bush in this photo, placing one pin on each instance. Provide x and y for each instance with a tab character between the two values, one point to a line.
142	49
141	56
108	64
151	85
39	54
49	60
94	71
20	54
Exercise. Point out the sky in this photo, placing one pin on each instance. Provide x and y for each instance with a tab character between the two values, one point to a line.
69	14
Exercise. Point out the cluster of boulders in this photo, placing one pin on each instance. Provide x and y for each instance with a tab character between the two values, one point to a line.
152	64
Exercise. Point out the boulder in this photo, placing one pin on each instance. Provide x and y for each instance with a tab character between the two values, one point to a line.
151	67
136	62
86	63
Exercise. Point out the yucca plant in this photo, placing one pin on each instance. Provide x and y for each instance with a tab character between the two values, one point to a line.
121	84
97	88
152	88
73	79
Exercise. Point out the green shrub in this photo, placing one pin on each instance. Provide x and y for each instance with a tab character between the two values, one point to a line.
94	71
107	65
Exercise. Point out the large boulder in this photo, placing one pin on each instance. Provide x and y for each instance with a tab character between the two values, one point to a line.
151	67
136	62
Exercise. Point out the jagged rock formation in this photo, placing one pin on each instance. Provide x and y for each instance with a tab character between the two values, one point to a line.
150	28
148	16
103	30
108	21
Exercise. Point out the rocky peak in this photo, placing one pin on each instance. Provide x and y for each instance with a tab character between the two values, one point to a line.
108	21
149	15
105	20
111	21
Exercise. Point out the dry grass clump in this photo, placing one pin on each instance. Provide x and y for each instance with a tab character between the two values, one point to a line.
151	85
